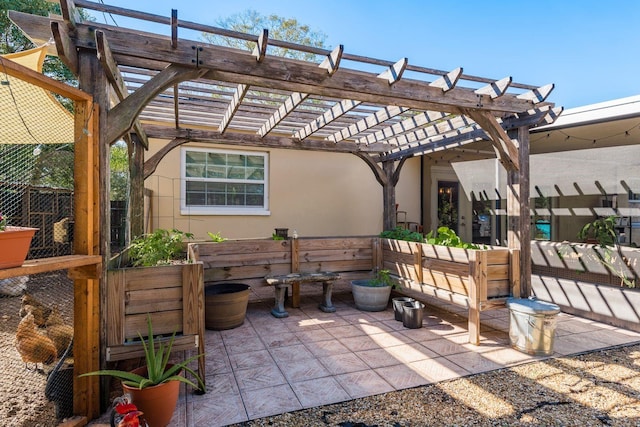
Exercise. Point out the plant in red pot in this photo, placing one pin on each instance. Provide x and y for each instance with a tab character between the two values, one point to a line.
154	387
14	243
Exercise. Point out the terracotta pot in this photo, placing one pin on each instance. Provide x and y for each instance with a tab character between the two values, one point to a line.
156	402
14	245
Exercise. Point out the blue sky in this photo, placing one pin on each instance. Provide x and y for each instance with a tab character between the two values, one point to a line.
589	49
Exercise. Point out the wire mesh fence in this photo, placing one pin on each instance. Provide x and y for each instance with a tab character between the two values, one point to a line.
36	311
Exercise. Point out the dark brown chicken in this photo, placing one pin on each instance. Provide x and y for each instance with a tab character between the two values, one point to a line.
33	346
31	305
59	333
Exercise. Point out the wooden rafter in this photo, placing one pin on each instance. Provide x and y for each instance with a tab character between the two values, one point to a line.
448	81
537	95
283	111
339	109
117	82
331	64
261	46
457	137
404	126
394	73
370	121
236	100
452	123
495	89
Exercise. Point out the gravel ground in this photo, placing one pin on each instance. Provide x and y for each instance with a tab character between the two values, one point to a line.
594	389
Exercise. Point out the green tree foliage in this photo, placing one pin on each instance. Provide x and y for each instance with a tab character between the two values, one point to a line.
289	29
119	162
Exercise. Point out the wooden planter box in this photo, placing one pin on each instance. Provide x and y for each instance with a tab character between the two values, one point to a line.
172	294
478	279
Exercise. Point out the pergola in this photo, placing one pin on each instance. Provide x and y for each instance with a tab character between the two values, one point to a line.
163	86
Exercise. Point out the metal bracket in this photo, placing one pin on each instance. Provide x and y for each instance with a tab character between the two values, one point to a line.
197	61
479	103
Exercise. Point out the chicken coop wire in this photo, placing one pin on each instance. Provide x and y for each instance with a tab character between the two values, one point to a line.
36	311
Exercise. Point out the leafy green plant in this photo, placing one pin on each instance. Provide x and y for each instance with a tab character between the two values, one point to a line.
157	363
447	237
274	236
400	233
382	279
160	247
601	229
216	237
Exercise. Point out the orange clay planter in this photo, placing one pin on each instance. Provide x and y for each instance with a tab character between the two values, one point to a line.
14	245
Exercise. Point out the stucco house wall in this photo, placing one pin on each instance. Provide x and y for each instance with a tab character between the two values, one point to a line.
314	193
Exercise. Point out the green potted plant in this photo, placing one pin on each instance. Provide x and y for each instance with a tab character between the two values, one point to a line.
154	387
601	231
373	294
158	248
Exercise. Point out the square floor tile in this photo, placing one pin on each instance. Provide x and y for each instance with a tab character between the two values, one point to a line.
259	377
363	383
407	353
474	362
250	359
345	331
359	343
313	335
279	339
216	410
241	345
319	391
402	376
438	369
378	358
270	401
326	348
390	339
299	370
222	384
343	363
292	353
444	347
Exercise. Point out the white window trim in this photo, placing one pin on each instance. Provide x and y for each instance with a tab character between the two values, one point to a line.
217	210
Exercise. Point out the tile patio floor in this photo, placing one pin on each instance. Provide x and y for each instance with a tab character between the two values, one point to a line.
269	366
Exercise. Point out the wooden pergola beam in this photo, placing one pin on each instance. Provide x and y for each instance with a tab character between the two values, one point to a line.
65	46
448	81
122	116
505	148
116	80
283	111
278	73
252	140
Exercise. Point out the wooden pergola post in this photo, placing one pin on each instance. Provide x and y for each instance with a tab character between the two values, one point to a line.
518	209
389	197
92	79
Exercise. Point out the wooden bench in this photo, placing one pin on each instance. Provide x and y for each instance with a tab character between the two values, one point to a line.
280	283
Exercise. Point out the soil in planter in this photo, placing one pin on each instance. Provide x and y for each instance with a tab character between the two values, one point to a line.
225	305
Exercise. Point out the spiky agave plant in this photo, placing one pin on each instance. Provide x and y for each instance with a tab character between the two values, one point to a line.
157	363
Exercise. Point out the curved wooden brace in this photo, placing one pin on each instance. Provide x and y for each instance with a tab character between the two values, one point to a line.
121	117
380	175
396	173
151	164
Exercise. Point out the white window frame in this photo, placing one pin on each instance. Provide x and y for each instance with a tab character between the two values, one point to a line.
222	210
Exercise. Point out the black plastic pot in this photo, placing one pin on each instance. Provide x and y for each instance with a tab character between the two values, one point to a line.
225	305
